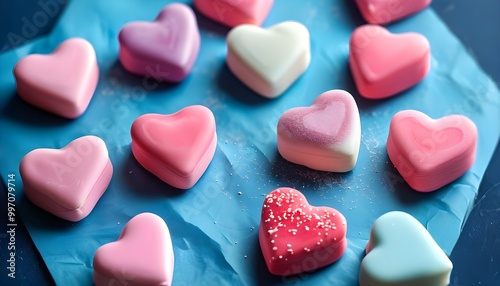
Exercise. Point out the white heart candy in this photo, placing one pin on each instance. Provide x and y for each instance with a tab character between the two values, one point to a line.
269	60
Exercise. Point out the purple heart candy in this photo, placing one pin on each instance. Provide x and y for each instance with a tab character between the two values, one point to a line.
164	49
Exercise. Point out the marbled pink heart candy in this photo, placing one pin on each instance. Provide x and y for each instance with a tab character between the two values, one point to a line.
235	12
325	136
165	49
142	255
387	11
385	64
431	153
63	82
67	182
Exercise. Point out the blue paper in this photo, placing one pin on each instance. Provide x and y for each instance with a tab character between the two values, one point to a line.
214	225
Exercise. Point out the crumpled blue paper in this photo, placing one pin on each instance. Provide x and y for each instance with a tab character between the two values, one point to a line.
214	225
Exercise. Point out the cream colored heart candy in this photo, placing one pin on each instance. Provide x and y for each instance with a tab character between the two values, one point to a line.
270	60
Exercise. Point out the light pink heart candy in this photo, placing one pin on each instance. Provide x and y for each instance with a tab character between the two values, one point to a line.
142	255
385	64
67	182
177	147
325	136
387	11
431	153
165	49
63	82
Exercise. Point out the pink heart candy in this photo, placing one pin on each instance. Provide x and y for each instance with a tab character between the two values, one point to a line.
296	237
325	136
63	82
142	255
235	12
384	64
387	11
178	147
431	153
67	182
165	49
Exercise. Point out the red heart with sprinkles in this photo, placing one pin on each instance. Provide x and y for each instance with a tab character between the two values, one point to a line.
296	237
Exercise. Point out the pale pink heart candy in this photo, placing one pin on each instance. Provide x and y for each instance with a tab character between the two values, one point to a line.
429	153
67	182
177	147
325	136
142	255
387	11
385	64
165	49
63	82
235	12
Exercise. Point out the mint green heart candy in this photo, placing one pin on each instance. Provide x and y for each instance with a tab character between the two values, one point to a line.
402	252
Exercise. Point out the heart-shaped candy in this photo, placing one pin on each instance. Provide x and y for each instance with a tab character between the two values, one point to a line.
142	255
178	147
384	64
235	12
67	182
387	11
431	153
402	252
63	82
296	237
325	136
164	49
268	61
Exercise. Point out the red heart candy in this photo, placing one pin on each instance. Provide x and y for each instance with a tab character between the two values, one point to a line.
296	237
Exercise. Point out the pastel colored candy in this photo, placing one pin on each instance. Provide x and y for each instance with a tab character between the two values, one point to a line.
63	82
165	49
235	12
296	237
269	60
402	252
431	153
325	136
385	64
142	255
387	11
178	147
67	182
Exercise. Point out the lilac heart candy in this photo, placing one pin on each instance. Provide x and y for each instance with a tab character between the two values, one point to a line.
164	49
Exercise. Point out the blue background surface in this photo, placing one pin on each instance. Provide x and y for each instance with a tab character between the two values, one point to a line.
476	25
